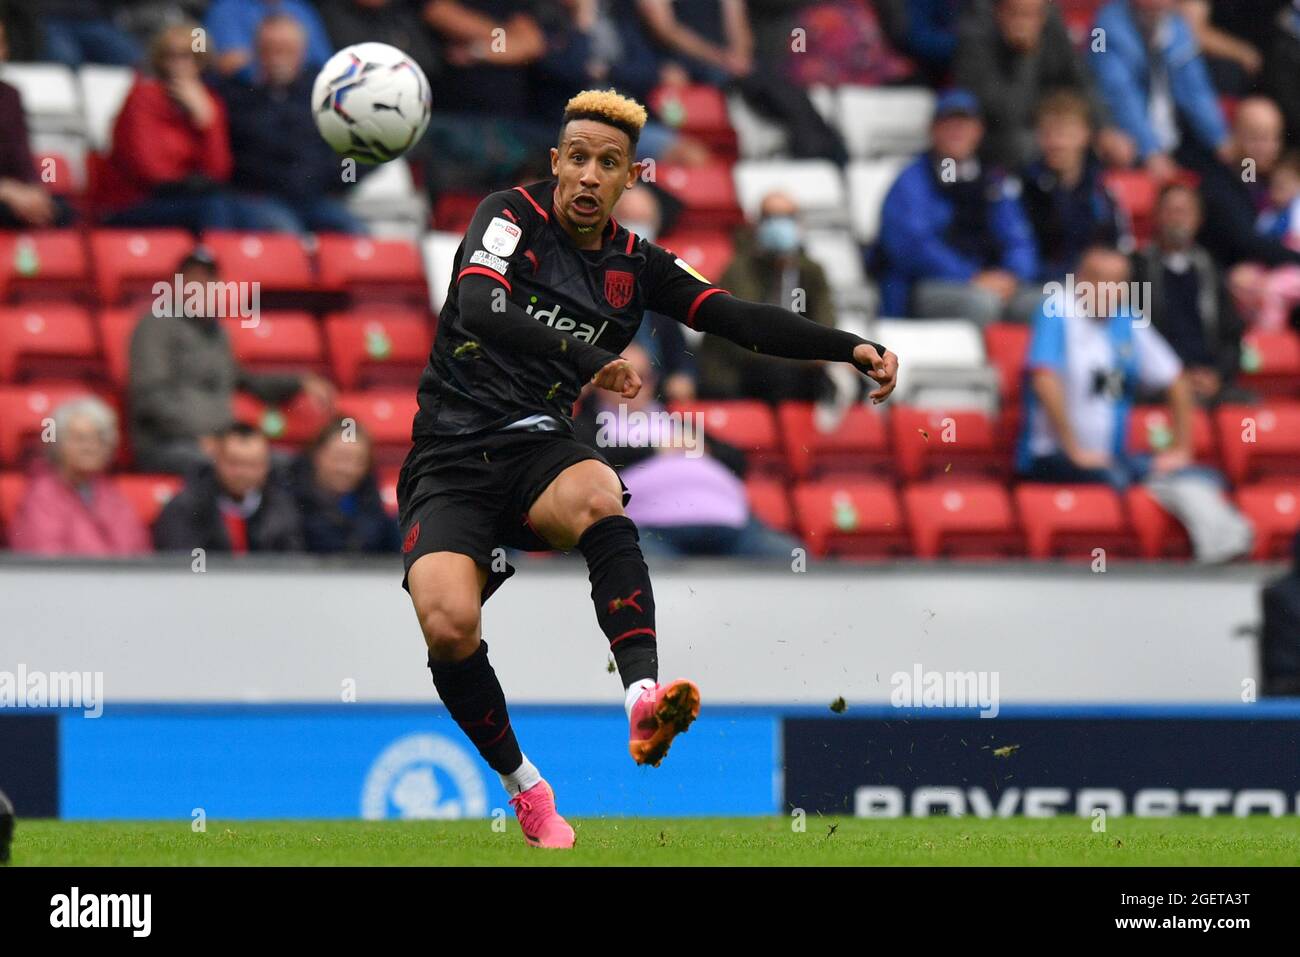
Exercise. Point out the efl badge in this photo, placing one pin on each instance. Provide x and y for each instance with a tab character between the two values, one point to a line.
618	287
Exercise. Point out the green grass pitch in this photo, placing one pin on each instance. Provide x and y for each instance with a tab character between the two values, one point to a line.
670	841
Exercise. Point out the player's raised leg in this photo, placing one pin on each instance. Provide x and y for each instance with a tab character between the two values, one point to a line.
445	589
583	508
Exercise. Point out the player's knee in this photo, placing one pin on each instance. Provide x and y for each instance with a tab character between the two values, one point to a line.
596	504
451	629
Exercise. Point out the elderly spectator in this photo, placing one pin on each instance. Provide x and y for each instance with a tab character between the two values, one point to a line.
685	500
338	498
170	156
1188	302
639	211
234	505
954	239
1013	53
183	377
83	31
287	178
71	507
24	201
1065	194
232	26
1153	79
769	266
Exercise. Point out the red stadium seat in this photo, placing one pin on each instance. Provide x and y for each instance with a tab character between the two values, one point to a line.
127	262
1073	520
937	442
699	111
453	211
1136	191
1274	509
860	445
12	487
278	261
770	503
24	411
1270	363
148	493
46	339
288	426
748	425
970	519
1007	344
1159	534
43	264
387	479
377	347
707	193
277	342
387	415
371	269
709	253
115	329
850	518
1150	429
1259	441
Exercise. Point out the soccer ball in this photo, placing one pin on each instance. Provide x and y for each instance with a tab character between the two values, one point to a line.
371	102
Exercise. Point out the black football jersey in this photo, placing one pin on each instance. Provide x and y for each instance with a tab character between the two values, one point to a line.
596	296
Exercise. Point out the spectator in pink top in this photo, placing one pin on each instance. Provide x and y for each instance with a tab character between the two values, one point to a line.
71	507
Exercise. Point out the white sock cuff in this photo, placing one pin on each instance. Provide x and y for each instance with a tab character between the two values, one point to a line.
633	692
521	779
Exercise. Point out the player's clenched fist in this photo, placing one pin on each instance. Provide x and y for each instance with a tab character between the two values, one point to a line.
618	376
884	370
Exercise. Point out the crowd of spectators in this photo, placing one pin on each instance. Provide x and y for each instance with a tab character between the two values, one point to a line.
1038	106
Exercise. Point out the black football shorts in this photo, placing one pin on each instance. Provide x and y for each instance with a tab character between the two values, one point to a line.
472	495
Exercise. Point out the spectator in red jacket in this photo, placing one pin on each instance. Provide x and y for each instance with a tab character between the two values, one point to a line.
71	507
24	202
170	157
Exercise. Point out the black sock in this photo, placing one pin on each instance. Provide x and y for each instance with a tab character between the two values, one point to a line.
472	694
625	602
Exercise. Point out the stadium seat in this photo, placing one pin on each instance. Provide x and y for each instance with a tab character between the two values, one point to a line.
840	257
885	121
1150	429
388	199
277	342
850	518
103	90
45	339
868	182
115	329
371	269
1273	507
375	347
1259	441
453	211
859	445
387	481
1072	520
24	410
941	441
757	137
148	493
815	185
127	262
707	194
961	518
278	261
43	264
708	252
49	96
748	425
386	414
1159	534
288	426
1270	363
1136	191
1007	345
12	487
944	364
438	250
698	111
1079	16
770	502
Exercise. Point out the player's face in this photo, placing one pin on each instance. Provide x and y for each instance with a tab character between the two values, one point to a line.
592	167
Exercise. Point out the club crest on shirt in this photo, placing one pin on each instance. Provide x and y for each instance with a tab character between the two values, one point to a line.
618	287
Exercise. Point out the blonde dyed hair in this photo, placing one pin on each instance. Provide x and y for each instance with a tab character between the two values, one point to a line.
607	106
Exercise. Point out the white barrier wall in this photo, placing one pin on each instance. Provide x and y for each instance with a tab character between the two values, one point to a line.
294	632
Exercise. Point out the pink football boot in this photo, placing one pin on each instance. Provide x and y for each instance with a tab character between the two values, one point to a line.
538	819
658	716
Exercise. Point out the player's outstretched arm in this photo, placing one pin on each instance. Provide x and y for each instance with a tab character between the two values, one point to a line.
774	331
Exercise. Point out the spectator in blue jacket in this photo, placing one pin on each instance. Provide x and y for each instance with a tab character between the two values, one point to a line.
232	29
286	177
337	496
954	239
1151	73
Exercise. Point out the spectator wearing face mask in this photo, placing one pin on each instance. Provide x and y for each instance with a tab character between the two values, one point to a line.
769	266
